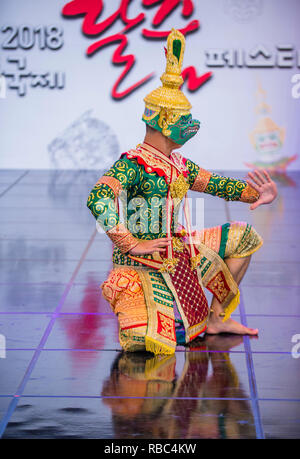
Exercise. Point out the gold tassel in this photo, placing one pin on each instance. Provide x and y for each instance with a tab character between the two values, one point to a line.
231	307
158	348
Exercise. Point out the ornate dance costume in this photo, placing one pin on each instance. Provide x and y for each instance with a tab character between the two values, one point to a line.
148	292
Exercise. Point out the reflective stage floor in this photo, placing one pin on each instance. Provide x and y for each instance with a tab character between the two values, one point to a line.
63	374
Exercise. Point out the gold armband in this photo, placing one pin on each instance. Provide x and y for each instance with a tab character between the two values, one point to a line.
201	180
122	238
112	182
249	194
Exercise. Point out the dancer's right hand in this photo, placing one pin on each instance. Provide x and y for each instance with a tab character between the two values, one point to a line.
155	245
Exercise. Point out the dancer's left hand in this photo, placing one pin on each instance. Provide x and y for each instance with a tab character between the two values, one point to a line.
266	187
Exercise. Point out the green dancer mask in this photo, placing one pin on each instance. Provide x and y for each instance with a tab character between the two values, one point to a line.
180	132
166	108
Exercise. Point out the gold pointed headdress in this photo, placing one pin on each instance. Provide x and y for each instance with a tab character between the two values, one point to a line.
168	100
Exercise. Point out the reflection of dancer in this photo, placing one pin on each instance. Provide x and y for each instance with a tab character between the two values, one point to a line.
229	415
158	267
194	405
134	378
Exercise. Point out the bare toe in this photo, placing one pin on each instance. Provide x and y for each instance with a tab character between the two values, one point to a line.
216	326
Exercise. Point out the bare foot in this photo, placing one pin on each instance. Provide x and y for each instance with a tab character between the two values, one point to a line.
216	326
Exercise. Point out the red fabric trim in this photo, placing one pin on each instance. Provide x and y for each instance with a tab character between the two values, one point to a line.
199	333
140	160
154	168
185	174
184	160
134	326
155	264
175	152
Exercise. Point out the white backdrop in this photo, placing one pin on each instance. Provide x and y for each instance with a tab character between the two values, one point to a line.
80	125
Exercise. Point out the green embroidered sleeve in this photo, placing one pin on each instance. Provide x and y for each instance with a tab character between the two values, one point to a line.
102	200
231	189
228	188
193	171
